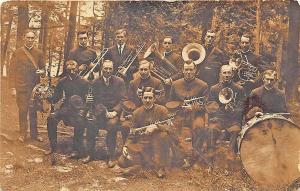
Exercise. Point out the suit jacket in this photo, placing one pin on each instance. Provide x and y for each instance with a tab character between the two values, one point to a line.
113	55
209	69
22	72
110	96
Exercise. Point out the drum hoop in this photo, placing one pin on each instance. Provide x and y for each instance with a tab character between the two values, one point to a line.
256	120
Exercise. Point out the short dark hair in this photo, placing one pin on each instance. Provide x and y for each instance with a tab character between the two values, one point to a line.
119	31
82	32
148	89
168	36
28	31
189	62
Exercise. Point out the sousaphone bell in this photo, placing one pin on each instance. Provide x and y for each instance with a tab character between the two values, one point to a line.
195	52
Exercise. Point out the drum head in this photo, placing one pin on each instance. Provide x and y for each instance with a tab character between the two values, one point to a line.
270	151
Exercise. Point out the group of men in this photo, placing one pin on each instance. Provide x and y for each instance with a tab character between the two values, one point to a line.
208	98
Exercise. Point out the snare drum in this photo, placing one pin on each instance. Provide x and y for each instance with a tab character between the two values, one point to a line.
269	148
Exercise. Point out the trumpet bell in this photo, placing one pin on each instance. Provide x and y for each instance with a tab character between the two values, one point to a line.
226	95
195	52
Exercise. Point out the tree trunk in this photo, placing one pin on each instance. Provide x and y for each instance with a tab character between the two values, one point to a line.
71	30
23	22
7	38
292	64
257	32
44	29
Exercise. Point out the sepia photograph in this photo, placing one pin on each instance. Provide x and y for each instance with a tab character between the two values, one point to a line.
143	95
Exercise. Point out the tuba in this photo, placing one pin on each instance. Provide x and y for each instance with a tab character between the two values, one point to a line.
227	97
195	52
162	70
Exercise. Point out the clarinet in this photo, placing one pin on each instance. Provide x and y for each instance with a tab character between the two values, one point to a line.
90	113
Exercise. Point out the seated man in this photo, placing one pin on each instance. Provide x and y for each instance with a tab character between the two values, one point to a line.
266	98
151	147
74	89
109	93
230	98
191	93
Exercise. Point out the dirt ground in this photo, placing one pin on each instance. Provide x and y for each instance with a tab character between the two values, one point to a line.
26	167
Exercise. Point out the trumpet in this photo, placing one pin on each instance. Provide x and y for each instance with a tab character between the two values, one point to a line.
123	69
192	101
96	62
228	98
142	130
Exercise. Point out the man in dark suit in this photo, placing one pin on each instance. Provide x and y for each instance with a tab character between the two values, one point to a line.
108	95
209	69
118	54
26	66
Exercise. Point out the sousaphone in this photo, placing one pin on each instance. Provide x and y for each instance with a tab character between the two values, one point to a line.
195	52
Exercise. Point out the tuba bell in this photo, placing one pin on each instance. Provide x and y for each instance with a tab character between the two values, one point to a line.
195	52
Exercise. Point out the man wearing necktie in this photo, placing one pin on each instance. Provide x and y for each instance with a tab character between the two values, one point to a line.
119	52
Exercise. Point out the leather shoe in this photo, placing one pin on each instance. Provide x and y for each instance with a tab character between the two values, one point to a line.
74	155
87	159
161	173
111	164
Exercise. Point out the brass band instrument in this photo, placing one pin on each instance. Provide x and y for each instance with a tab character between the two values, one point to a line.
193	101
163	70
228	98
195	52
142	130
123	69
245	70
85	74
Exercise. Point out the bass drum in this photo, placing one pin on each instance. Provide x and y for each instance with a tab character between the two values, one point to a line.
269	148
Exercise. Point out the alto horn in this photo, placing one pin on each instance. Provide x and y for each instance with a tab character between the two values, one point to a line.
195	52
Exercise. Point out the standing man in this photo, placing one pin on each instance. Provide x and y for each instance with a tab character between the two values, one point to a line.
72	89
184	90
83	54
118	54
267	98
251	61
109	93
26	67
209	69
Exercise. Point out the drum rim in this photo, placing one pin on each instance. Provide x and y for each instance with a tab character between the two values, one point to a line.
256	120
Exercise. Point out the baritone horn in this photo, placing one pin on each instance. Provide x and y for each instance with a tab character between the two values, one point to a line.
227	97
195	52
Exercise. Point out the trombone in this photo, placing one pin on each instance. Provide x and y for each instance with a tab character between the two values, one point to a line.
123	69
85	74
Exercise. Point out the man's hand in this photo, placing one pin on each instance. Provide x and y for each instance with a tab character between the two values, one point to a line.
168	81
82	67
150	129
38	71
111	115
13	91
122	70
